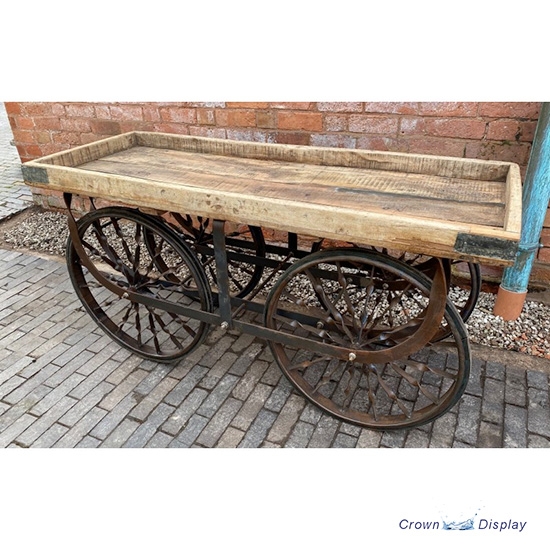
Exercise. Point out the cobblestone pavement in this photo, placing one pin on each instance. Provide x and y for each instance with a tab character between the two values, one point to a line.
14	195
63	383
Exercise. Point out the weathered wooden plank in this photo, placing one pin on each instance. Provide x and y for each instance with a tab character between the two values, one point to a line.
353	158
156	161
338	197
513	213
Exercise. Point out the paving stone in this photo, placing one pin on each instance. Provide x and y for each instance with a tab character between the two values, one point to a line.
191	432
325	432
537	442
246	359
230	438
183	413
417	439
393	439
159	441
279	395
11	433
492	409
538	380
37	428
186	385
258	429
219	422
218	395
515	393
79	431
50	437
121	433
148	429
490	435
538	412
249	381
89	442
515	426
469	412
369	439
150	400
300	436
252	406
345	441
286	420
114	417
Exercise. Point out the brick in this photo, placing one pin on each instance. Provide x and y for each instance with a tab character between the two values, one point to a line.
80	110
294	105
436	146
373	124
209	132
340	107
300	121
503	130
448	109
335	123
333	140
125	112
394	108
266	119
105	127
247	105
206	117
178	114
512	109
456	128
290	138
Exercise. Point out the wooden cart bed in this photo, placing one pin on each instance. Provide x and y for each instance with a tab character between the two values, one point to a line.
441	206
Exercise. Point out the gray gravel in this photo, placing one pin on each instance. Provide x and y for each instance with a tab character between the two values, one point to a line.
46	232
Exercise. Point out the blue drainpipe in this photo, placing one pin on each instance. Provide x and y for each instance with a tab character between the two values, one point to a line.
536	195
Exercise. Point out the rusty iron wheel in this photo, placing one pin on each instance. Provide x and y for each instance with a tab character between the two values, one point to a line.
390	375
125	246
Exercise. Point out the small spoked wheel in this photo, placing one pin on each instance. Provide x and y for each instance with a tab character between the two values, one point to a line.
244	243
139	255
374	364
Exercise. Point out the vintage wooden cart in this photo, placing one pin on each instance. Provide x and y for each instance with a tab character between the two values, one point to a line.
357	316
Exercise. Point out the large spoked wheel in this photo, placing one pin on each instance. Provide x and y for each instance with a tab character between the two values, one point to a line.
463	297
345	300
244	243
125	246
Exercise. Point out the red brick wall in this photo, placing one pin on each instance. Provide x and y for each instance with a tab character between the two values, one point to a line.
497	131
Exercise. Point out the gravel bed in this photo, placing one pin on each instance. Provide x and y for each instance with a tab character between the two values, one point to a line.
46	232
